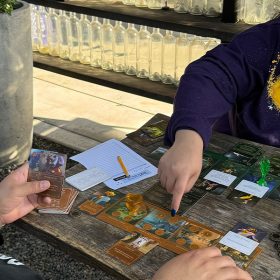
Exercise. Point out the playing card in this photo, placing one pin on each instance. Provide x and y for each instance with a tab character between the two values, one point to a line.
210	158
158	196
100	200
160	223
241	260
47	165
158	153
194	235
243	198
131	248
244	153
61	205
275	166
149	133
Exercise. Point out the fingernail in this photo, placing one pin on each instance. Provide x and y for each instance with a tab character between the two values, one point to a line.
173	212
44	184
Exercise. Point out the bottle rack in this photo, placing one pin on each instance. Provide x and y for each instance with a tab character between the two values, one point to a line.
115	10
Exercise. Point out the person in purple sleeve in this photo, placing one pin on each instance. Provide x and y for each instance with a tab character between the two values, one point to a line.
234	89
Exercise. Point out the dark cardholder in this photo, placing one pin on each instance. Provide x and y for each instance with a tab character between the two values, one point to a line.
50	166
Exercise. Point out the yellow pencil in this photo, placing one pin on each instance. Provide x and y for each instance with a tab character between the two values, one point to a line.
123	166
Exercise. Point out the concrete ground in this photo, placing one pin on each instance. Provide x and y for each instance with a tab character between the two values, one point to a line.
79	115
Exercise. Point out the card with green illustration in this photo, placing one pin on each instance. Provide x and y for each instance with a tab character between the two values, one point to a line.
244	153
210	158
158	196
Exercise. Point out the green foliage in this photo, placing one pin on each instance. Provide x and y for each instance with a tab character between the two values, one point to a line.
7	6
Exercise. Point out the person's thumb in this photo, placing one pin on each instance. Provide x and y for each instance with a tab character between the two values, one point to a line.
32	187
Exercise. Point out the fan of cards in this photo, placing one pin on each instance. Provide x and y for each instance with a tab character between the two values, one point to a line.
50	166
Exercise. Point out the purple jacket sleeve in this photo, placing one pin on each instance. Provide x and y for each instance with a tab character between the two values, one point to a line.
224	76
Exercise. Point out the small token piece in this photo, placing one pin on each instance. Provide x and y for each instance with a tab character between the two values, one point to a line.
135	203
264	167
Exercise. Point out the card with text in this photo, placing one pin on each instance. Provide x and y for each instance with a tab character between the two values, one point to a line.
100	200
50	166
243	238
131	248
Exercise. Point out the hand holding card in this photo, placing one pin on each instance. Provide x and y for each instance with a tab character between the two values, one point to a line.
50	166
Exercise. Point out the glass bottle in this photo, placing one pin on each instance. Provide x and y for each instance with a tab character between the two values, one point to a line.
95	53
213	8
197	7
197	48
168	58
118	47
74	49
84	40
63	23
128	2
180	6
143	52
130	44
107	45
155	55
253	11
155	4
53	33
43	46
141	3
35	27
182	56
212	43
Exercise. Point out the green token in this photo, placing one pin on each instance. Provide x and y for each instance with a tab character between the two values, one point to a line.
264	167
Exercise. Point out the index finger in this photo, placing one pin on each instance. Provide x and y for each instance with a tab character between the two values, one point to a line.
178	192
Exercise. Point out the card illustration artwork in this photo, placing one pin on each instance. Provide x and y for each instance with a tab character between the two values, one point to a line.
244	153
48	165
209	159
243	198
158	153
131	248
194	235
158	196
150	133
161	224
242	260
275	166
100	200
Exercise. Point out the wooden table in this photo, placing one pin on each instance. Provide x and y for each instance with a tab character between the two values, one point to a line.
87	238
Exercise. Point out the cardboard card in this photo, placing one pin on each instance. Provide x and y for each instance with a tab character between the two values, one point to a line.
209	186
241	260
100	200
48	165
243	198
275	194
243	238
210	159
121	213
244	153
61	205
158	196
150	133
194	235
160	223
156	129
158	153
131	248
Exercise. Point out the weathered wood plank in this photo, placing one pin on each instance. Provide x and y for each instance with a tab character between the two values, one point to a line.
87	238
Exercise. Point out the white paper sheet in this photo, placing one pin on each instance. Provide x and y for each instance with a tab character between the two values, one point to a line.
88	178
137	174
219	177
239	243
104	156
252	188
